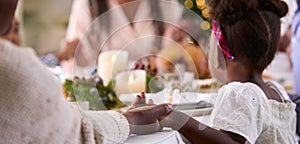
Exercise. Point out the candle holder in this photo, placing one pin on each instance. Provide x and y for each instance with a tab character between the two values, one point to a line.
130	82
154	82
110	63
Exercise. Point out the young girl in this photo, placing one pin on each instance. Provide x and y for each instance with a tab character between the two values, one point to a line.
248	110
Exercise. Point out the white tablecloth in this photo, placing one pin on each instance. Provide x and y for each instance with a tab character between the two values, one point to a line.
161	97
168	136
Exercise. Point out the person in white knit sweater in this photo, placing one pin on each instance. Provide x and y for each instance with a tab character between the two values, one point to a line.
33	109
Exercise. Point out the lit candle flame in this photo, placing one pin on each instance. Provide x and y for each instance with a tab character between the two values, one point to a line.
170	96
113	58
131	78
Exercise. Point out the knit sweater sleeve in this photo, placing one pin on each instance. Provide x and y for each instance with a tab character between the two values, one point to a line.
104	127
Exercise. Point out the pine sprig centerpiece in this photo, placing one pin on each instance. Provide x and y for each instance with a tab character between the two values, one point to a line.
100	97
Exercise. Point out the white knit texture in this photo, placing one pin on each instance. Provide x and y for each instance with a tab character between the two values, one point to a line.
33	109
112	125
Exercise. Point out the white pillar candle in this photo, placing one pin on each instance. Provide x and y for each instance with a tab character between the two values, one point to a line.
110	63
130	82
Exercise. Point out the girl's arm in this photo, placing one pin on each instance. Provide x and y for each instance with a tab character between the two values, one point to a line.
197	132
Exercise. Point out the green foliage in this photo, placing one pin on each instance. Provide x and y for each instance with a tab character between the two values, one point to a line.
100	97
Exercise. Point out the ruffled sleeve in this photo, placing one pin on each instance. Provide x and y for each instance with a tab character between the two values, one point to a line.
239	110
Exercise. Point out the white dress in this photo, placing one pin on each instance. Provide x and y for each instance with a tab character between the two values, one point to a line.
244	109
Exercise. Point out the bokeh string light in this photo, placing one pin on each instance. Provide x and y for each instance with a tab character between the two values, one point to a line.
199	7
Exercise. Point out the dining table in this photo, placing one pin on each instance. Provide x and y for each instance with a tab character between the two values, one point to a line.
276	71
195	104
167	135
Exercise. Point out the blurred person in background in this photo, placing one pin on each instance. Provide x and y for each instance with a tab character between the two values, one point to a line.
129	25
52	59
33	109
296	50
180	47
295	53
286	24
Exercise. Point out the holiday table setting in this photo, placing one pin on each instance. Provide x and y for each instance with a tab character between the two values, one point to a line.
114	84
